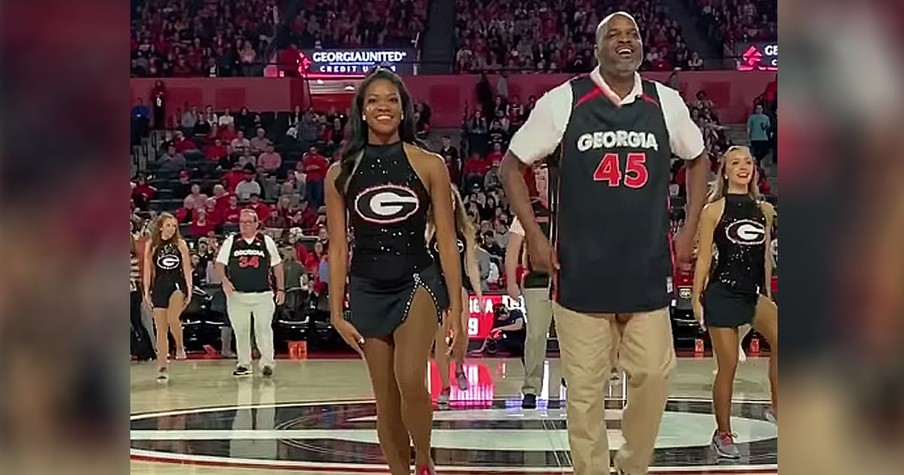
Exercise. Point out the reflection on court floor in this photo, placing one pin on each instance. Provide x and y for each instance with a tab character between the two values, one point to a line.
258	425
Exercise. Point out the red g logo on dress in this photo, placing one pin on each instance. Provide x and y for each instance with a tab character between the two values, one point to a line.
387	204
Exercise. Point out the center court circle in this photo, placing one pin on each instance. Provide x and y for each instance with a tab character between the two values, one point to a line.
498	437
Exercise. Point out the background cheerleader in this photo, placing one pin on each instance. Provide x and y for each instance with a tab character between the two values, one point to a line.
168	286
467	251
736	292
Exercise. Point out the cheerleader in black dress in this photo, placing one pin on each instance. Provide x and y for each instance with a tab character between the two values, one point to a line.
735	291
382	189
467	253
168	286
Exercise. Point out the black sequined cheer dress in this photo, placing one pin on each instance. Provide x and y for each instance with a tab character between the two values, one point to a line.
388	205
168	274
737	278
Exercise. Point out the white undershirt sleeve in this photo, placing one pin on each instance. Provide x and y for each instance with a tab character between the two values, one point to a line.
225	249
685	138
544	127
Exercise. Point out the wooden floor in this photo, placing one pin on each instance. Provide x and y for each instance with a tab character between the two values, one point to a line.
316	416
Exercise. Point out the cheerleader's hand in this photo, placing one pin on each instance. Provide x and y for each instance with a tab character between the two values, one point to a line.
350	335
459	346
698	314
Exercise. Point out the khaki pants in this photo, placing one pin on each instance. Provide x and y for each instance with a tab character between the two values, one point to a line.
539	318
647	355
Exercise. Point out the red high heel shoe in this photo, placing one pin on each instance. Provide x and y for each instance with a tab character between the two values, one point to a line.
424	470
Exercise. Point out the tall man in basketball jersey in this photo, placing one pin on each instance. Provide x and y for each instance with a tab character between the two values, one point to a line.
244	265
611	259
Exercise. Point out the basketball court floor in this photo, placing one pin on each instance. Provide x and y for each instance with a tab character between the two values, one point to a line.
316	416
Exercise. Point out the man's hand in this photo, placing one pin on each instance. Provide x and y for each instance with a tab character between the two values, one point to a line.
228	288
512	290
280	297
684	249
542	255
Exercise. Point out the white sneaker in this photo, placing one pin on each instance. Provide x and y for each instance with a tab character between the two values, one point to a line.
442	401
725	445
771	415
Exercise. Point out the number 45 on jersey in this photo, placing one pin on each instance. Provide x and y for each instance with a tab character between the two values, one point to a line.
635	174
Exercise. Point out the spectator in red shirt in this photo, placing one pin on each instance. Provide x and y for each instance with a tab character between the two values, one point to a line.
301	252
474	170
217	152
200	225
304	217
315	166
233	177
183	144
184	214
290	60
495	157
227	134
232	212
312	261
143	192
261	209
220	196
214	215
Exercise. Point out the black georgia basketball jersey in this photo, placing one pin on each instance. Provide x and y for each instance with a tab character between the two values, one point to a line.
387	205
433	247
612	218
249	264
168	263
740	239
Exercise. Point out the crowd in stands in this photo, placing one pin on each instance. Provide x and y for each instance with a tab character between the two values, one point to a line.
212	164
559	35
220	38
374	23
726	22
191	38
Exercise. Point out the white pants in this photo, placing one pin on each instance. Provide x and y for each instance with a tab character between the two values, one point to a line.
241	306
